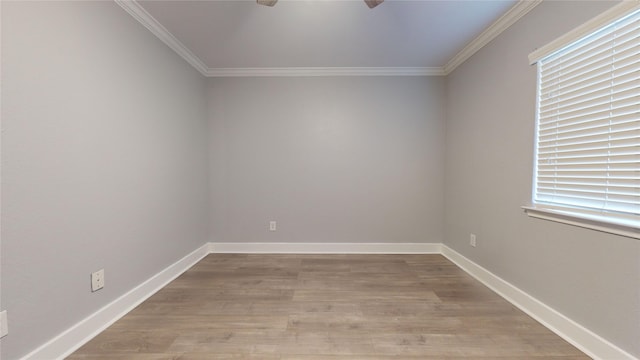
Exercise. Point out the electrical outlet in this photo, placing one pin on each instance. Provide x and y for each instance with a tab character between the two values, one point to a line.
472	240
272	226
97	280
4	324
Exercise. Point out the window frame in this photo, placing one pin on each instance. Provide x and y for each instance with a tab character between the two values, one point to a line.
625	225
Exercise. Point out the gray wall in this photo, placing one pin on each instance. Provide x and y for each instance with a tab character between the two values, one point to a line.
104	162
355	159
105	165
592	277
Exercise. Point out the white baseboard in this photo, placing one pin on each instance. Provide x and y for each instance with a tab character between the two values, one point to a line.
76	336
73	338
327	248
582	338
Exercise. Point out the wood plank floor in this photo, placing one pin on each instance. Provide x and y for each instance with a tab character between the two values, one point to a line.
232	306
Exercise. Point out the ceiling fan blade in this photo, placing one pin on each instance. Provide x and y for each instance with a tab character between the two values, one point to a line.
267	2
373	3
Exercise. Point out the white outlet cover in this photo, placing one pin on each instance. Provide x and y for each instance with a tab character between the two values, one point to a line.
97	280
4	325
272	226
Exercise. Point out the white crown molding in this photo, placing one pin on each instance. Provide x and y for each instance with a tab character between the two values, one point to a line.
515	13
326	71
624	8
140	14
146	19
495	29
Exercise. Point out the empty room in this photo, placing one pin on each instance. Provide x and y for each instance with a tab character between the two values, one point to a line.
320	179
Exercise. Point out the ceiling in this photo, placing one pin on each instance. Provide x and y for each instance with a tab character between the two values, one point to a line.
240	37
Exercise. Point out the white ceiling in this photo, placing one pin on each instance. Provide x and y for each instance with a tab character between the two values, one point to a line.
240	34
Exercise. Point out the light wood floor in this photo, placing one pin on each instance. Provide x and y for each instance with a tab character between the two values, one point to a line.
312	307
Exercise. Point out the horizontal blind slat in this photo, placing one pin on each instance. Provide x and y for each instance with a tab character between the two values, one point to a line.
620	87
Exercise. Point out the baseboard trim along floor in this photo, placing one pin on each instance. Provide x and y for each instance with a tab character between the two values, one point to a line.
582	338
73	338
326	248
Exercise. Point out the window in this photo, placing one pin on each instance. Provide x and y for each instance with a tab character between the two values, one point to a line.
587	164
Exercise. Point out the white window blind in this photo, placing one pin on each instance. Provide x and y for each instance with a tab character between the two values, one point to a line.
588	128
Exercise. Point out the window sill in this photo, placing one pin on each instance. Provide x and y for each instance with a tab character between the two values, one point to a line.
584	221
